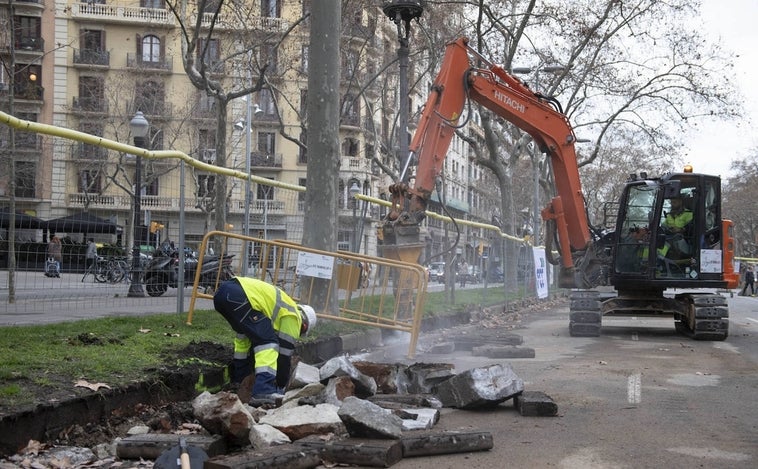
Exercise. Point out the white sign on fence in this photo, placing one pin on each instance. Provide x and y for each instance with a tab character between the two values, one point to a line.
315	265
540	272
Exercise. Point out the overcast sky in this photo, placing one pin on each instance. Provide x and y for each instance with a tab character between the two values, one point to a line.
733	23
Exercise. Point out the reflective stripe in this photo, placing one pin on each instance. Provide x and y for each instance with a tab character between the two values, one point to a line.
265	369
284	337
280	304
286	352
261	348
240	355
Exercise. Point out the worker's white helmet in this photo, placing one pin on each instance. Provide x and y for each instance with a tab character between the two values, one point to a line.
309	318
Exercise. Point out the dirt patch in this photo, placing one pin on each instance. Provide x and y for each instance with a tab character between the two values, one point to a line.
65	415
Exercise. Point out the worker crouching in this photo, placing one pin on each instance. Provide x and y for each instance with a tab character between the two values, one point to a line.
268	322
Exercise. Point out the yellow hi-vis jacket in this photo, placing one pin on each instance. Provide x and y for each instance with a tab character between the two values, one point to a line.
282	310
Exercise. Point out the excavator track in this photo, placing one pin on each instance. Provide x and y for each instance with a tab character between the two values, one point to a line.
708	318
585	317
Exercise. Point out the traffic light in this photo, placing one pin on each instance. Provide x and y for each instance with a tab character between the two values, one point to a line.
481	248
155	226
229	227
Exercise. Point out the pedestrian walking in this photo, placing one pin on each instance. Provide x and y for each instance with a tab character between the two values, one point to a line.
749	281
54	258
268	322
91	255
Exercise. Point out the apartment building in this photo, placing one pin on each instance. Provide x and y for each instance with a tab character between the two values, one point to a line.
90	66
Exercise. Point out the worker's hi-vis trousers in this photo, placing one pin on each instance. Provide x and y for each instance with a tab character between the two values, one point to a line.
231	302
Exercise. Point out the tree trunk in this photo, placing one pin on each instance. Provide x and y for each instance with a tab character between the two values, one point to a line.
323	118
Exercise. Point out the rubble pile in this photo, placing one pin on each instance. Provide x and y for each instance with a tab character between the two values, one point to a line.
363	413
345	412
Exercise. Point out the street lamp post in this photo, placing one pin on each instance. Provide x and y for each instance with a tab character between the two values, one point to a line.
354	190
247	126
139	127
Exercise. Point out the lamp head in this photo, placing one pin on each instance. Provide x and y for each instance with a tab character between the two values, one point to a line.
139	125
257	111
239	125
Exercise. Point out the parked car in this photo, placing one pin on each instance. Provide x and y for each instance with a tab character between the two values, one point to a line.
437	272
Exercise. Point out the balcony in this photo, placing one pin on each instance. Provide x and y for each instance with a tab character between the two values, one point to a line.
265	160
28	91
29	44
84	151
260	23
355	164
137	62
121	14
92	57
152	108
28	141
90	104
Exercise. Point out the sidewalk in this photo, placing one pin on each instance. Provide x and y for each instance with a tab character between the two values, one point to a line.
44	300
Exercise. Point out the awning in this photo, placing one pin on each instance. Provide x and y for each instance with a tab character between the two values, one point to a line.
82	223
22	221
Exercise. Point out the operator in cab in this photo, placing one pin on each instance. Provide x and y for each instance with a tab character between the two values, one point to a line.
675	225
268	322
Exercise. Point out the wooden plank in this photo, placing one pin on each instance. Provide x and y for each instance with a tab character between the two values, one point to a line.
275	457
445	442
369	452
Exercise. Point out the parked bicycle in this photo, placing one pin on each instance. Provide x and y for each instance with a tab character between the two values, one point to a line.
108	270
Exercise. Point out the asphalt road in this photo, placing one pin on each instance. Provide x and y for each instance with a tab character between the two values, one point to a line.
638	396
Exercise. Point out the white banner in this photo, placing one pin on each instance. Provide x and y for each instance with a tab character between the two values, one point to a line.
540	272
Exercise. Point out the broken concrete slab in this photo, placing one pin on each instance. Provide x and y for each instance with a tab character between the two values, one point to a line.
299	422
420	419
423	378
502	351
362	452
310	390
263	436
365	419
394	401
535	404
302	375
224	414
279	457
480	387
342	366
151	445
390	378
447	442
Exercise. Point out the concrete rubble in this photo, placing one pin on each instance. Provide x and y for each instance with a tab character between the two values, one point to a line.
362	413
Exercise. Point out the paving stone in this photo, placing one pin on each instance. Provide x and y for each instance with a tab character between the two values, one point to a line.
502	351
365	419
278	457
422	443
299	422
390	378
342	366
535	404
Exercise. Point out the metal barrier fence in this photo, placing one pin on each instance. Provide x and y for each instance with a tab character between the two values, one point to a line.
341	286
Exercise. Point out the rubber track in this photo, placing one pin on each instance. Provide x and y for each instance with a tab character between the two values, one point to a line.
711	318
585	318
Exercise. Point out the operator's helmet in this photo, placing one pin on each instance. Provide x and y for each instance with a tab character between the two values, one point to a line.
309	319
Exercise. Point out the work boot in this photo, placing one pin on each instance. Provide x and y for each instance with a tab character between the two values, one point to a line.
266	400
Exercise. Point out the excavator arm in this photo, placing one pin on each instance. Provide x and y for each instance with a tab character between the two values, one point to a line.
506	96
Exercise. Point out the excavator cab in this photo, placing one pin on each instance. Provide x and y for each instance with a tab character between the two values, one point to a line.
669	233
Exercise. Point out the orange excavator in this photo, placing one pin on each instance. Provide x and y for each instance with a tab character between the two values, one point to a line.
667	253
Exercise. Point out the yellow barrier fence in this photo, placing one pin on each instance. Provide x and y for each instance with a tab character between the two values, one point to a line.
341	286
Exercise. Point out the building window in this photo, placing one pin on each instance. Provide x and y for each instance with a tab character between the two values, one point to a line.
304	59
350	147
209	54
150	184
264	192
89	181
302	157
205	185
150	97
151	49
25	179
157	4
91	94
270	8
270	57
303	104
28	33
266	102
87	151
267	143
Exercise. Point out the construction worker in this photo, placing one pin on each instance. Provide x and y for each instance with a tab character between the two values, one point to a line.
268	322
675	224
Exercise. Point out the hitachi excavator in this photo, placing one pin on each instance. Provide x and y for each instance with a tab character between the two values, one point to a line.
668	254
